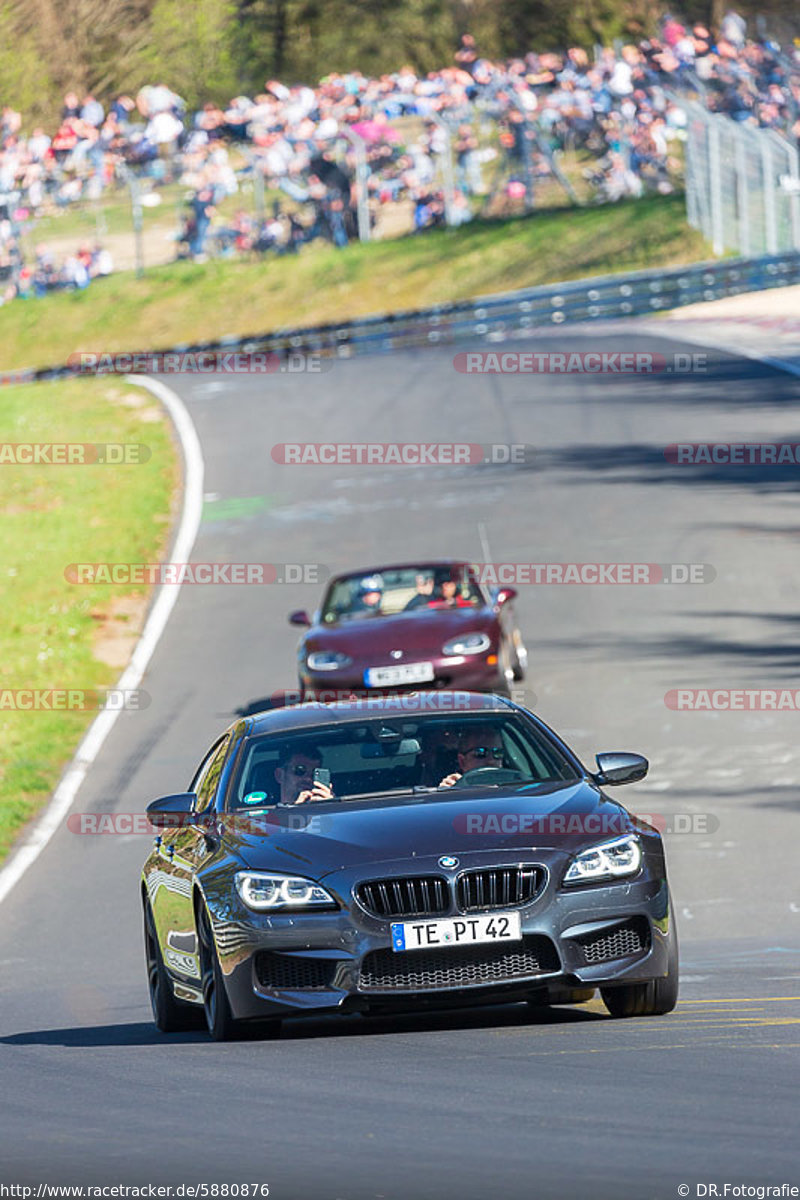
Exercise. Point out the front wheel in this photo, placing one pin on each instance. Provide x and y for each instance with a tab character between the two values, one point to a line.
519	657
650	999
216	1005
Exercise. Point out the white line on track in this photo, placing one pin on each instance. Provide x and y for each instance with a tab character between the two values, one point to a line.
67	790
64	795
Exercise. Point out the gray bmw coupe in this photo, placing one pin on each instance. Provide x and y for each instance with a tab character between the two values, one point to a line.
401	852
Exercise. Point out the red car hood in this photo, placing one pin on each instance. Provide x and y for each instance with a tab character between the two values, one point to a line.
417	633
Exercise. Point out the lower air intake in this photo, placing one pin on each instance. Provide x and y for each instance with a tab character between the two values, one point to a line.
282	971
619	942
460	967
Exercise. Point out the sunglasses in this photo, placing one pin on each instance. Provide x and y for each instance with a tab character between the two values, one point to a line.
485	752
301	770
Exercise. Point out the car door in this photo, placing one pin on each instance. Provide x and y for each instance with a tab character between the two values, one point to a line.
182	852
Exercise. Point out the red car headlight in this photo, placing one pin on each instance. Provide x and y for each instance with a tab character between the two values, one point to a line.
327	660
467	643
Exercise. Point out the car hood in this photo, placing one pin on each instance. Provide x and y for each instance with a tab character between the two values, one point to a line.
421	632
350	833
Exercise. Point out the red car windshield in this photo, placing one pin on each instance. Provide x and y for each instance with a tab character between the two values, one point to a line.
405	590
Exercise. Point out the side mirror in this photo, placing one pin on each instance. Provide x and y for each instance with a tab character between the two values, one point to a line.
506	594
616	768
300	617
172	812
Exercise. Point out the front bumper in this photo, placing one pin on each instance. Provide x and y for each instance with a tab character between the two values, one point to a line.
343	960
470	674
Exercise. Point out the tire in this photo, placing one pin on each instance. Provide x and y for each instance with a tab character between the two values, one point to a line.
519	656
651	999
169	1015
216	1005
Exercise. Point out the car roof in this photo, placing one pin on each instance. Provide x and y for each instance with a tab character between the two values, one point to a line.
313	714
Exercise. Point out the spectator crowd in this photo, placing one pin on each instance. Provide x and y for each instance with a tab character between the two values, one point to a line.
301	142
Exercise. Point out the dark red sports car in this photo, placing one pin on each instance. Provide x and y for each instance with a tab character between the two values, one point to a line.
417	625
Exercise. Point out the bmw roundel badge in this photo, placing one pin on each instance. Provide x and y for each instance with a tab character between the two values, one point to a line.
447	860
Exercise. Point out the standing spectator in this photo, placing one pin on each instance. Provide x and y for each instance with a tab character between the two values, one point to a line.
92	112
468	168
202	205
122	108
467	54
335	209
38	144
734	28
71	107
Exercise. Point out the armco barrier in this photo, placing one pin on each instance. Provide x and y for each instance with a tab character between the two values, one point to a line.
499	316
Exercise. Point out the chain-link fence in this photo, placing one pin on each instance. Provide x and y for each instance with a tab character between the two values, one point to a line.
742	184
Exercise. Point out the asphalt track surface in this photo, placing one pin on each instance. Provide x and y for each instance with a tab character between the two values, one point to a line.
487	1102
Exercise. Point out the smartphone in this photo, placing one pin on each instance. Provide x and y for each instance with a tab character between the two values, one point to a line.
322	775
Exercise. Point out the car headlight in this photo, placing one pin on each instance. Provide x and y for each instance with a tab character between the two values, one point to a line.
266	892
327	660
611	860
467	643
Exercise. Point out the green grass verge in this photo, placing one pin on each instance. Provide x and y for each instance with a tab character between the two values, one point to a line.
188	301
51	631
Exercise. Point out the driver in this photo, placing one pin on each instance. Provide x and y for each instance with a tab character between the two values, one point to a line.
448	594
294	775
423	583
478	746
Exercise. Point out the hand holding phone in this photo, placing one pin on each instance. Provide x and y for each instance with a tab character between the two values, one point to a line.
320	787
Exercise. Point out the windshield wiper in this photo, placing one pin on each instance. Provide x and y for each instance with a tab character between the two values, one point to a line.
404	791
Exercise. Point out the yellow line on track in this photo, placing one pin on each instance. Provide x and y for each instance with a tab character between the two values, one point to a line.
634	1048
745	1000
742	1021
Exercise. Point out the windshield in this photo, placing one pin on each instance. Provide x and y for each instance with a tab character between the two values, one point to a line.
380	755
410	589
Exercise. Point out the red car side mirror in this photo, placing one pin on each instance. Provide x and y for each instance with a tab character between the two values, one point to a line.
506	594
299	617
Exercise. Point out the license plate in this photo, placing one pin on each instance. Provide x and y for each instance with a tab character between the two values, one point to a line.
460	931
406	673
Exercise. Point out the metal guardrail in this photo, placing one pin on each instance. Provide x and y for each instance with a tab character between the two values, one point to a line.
499	316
